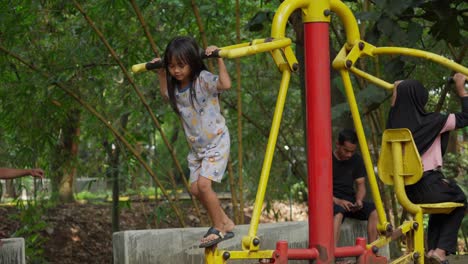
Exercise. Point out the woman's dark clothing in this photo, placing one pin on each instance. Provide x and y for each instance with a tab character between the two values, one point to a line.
443	228
408	112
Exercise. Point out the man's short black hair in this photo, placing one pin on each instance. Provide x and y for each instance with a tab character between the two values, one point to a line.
347	135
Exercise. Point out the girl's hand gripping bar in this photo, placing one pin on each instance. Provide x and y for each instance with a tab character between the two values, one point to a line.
148	66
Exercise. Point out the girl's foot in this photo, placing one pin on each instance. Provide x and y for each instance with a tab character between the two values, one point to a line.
214	236
228	225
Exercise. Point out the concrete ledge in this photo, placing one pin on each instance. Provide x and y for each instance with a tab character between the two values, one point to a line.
181	245
12	251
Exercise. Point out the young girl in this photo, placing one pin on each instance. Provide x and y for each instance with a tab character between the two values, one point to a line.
430	132
193	94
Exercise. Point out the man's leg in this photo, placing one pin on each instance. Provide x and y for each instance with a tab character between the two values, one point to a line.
372	222
337	220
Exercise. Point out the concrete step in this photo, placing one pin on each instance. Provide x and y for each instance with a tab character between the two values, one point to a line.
181	245
12	251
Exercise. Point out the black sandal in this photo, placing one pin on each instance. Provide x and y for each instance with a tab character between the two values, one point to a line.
221	237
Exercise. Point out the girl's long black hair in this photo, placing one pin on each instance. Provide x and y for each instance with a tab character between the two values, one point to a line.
183	49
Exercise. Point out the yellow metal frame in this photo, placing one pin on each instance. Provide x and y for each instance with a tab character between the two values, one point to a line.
280	48
345	62
400	163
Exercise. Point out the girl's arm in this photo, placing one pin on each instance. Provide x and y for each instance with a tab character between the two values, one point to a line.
163	83
224	81
162	79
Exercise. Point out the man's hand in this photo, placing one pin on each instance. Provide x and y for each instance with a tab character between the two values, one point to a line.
347	205
358	205
39	173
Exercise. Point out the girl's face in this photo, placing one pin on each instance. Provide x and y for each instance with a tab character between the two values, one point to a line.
180	71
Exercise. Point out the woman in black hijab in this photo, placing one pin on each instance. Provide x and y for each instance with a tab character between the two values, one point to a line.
430	132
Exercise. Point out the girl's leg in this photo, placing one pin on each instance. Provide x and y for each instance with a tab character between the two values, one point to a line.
210	201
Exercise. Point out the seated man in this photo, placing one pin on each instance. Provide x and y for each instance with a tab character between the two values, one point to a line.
349	186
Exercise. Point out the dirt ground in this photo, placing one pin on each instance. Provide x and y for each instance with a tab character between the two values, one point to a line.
82	232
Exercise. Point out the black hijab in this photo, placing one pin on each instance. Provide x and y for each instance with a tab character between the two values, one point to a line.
408	112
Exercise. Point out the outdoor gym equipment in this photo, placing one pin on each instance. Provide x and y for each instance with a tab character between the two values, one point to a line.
316	18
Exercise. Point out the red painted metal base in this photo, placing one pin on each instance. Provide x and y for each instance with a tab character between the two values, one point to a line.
370	258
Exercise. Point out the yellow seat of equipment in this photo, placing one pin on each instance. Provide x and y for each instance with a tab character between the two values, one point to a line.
439	208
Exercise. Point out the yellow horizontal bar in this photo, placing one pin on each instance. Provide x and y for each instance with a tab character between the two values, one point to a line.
250	254
240	45
254	49
422	54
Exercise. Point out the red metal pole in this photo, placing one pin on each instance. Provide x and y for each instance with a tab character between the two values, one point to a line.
281	252
295	253
319	139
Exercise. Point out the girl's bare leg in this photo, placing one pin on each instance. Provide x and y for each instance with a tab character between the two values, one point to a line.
210	201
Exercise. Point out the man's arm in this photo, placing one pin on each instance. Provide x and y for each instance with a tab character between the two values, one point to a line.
360	191
7	173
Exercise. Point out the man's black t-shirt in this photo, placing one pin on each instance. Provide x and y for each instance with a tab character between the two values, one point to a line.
345	172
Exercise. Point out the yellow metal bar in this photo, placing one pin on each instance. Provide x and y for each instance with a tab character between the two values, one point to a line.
384	240
262	254
215	256
241	45
399	181
349	22
280	20
405	259
405	202
364	149
419	238
236	52
245	44
422	54
372	78
246	241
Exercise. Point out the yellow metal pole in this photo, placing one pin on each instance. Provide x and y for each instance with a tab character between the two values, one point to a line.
364	149
268	158
284	11
372	78
405	202
349	22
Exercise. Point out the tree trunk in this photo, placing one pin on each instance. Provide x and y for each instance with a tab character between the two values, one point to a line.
10	191
64	169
